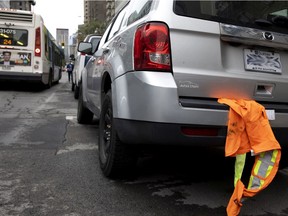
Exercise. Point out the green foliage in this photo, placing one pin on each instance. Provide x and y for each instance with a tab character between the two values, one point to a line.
90	28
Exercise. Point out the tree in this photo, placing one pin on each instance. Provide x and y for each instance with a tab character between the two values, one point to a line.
91	28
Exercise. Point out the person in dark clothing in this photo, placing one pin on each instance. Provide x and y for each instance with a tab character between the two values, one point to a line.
69	69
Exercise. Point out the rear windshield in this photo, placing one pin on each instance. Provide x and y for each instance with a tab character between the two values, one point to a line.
13	37
272	15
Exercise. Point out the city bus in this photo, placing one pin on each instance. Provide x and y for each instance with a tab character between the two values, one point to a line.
28	51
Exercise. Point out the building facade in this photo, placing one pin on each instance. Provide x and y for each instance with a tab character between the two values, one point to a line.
110	10
62	38
4	4
94	10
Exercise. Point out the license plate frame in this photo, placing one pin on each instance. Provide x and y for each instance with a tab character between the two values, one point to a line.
262	61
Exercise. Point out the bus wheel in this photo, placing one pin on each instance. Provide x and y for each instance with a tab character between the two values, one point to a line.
49	84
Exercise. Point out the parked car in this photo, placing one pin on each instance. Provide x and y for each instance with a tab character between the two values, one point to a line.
80	62
161	66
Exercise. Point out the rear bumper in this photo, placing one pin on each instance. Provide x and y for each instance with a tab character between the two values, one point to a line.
153	97
147	109
7	76
143	133
147	133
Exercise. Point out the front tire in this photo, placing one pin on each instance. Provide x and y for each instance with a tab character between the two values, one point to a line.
76	91
116	158
84	115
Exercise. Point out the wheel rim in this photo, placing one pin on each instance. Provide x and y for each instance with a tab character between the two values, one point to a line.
107	131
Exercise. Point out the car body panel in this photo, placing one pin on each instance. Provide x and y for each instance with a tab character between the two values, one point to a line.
82	59
207	62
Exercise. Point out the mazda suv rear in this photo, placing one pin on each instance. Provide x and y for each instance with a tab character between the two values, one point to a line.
161	66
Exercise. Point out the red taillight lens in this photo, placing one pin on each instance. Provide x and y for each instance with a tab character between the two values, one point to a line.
152	47
37	50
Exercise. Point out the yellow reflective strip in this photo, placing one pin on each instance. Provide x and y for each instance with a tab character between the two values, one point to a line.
261	183
269	171
258	164
250	182
256	169
274	156
262	154
239	167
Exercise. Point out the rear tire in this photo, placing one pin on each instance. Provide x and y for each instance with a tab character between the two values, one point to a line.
72	86
49	84
116	159
76	91
84	115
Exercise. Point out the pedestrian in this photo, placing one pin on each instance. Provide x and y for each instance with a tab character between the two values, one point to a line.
69	69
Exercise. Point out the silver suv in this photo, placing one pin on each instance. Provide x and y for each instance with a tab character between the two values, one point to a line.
80	62
161	65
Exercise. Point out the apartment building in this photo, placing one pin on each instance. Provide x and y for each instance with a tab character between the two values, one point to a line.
101	10
4	4
94	10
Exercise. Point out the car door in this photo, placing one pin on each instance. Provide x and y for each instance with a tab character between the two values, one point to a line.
100	62
93	69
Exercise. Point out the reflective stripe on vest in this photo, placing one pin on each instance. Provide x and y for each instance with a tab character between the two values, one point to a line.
263	172
263	167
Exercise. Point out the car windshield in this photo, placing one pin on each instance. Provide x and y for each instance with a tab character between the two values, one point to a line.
272	15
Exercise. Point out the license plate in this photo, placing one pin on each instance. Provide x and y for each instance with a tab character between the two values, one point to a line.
6	67
263	61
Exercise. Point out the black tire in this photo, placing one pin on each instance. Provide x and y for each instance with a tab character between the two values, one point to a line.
72	86
76	91
49	84
116	159
283	161
84	115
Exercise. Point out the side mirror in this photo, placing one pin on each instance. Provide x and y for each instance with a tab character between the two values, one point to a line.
85	47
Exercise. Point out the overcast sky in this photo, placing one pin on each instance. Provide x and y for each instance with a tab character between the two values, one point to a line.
60	14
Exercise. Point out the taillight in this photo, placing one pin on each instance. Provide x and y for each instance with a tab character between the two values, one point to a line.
190	131
37	50
152	47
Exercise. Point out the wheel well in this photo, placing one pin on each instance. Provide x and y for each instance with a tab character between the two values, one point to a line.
51	72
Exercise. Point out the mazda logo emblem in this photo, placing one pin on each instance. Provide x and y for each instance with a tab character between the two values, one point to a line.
268	36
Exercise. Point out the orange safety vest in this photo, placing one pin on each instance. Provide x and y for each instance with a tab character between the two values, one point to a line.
249	130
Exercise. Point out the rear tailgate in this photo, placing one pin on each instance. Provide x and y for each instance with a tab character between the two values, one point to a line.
215	60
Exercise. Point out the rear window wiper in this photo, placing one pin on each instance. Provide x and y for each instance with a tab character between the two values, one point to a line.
280	21
263	22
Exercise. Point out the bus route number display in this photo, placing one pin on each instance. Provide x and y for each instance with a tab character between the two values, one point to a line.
6	41
7	31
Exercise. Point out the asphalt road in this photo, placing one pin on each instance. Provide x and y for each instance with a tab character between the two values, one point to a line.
49	166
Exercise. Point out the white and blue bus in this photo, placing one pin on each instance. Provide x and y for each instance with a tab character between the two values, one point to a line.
27	49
